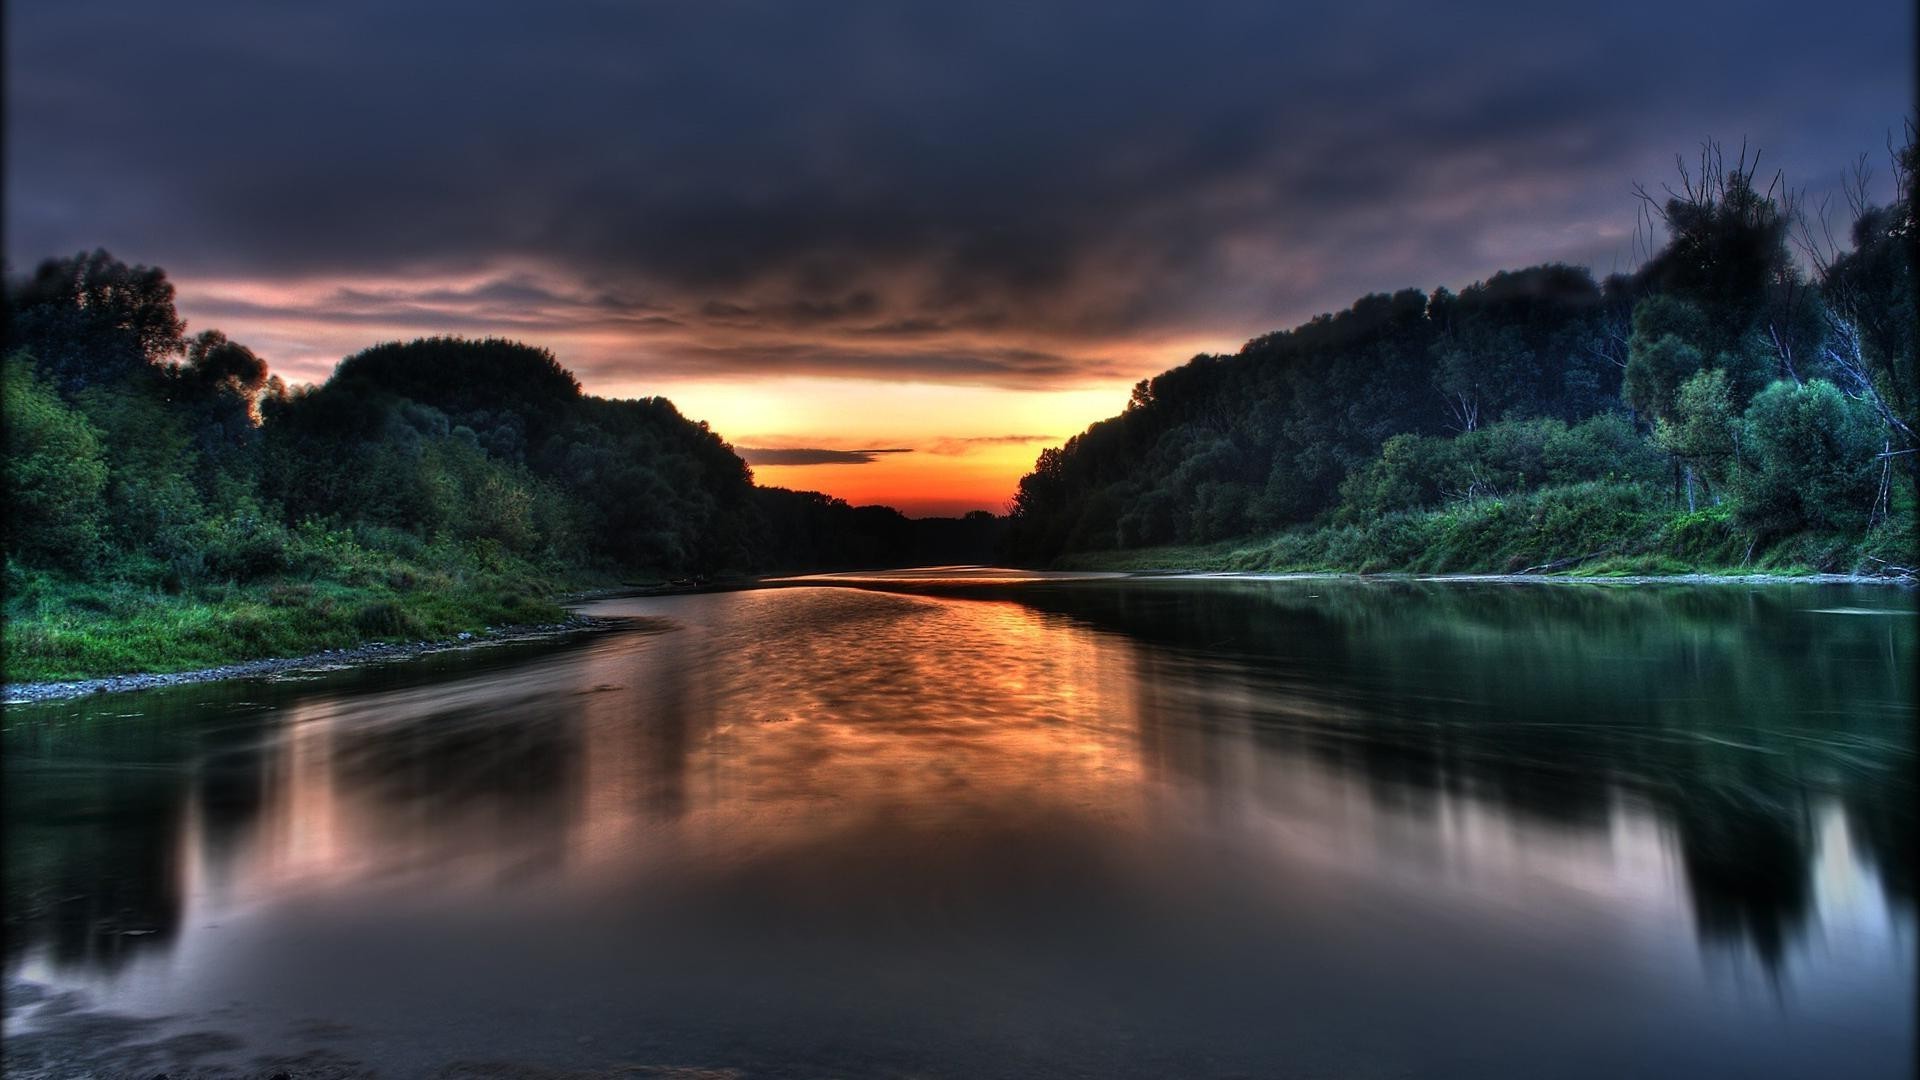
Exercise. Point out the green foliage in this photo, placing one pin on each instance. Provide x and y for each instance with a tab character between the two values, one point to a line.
56	474
1601	447
1702	428
385	619
1407	413
161	486
173	513
1663	353
153	506
93	319
1225	446
1520	344
1812	459
1871	311
1589	529
506	392
246	545
1510	457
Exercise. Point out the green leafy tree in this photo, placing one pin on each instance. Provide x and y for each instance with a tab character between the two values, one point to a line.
1871	305
1603	447
56	474
153	504
1726	249
92	319
1664	352
217	390
1702	428
1809	454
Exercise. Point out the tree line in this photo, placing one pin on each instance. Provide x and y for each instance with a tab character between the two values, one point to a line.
1757	367
144	454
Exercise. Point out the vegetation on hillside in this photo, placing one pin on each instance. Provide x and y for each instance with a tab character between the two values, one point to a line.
173	505
1745	399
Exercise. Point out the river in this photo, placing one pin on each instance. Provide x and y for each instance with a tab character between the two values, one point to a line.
977	824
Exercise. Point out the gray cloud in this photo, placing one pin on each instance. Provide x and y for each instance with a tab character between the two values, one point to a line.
956	193
811	455
968	444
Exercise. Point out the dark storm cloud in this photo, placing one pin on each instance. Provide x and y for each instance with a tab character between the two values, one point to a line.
793	188
811	455
989	364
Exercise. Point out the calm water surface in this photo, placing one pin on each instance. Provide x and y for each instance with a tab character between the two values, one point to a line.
969	824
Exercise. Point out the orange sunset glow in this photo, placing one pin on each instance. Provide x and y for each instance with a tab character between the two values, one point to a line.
1115	539
967	437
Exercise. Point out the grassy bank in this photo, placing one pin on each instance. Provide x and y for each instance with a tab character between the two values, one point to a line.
1585	529
320	590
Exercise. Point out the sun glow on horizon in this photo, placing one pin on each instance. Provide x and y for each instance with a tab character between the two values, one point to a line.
968	445
969	437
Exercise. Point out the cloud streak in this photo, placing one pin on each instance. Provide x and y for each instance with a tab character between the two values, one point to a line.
812	455
969	444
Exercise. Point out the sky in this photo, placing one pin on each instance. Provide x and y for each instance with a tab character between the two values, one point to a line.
889	250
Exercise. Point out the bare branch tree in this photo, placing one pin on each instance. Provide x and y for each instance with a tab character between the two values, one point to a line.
1465	409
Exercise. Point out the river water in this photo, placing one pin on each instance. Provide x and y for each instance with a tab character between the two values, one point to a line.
971	824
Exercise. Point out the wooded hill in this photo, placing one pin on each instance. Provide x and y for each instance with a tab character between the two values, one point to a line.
1748	394
172	504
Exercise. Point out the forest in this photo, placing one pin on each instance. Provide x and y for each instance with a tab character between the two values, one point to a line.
174	505
1744	401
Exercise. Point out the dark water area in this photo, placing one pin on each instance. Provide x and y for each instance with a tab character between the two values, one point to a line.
962	825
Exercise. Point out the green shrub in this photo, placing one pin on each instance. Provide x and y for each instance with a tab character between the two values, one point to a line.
247	545
1809	452
56	474
386	619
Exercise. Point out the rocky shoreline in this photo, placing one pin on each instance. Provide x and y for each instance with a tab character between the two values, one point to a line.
327	660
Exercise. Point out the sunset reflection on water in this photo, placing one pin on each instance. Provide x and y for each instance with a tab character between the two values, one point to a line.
1120	826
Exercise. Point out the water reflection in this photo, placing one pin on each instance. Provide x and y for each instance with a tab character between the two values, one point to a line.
980	824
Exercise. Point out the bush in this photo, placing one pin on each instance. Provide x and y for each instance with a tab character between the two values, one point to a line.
386	619
1809	453
1602	447
56	474
1507	458
246	546
1406	476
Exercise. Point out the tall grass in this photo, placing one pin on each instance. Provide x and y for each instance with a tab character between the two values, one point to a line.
1589	528
332	590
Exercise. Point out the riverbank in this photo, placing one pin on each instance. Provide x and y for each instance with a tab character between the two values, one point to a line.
177	668
325	660
1534	579
67	637
1546	534
1229	561
61	630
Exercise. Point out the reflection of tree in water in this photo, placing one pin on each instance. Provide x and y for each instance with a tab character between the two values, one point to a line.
1747	863
91	864
1880	820
96	811
661	721
1726	709
447	763
511	769
230	790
